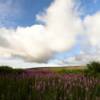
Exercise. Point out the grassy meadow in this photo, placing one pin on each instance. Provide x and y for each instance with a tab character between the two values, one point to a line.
63	83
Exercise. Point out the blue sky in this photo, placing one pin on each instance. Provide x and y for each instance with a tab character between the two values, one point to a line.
22	13
28	9
90	6
26	14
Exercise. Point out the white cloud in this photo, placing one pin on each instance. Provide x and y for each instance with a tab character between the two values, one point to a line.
92	25
92	30
82	58
90	46
39	42
62	25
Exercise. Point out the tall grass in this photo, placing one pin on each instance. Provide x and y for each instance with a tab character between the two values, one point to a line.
47	85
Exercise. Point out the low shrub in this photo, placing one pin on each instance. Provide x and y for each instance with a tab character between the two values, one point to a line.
93	68
9	70
5	69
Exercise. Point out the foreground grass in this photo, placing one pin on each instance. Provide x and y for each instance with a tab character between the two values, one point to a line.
44	84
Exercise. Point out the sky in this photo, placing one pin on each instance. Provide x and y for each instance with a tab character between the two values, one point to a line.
37	33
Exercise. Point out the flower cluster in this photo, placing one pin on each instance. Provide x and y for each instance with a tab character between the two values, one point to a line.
48	85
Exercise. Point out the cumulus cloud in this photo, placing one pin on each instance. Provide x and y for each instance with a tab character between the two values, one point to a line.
92	30
92	25
62	25
81	59
39	42
90	45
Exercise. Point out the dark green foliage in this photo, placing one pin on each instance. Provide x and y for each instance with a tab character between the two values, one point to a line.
93	68
5	69
9	70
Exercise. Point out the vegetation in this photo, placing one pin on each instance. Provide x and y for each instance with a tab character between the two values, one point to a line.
93	69
9	70
68	71
36	84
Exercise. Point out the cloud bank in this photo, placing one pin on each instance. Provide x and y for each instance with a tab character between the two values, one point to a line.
39	42
92	25
58	31
90	45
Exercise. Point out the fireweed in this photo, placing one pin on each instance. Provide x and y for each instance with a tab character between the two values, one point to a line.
47	85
